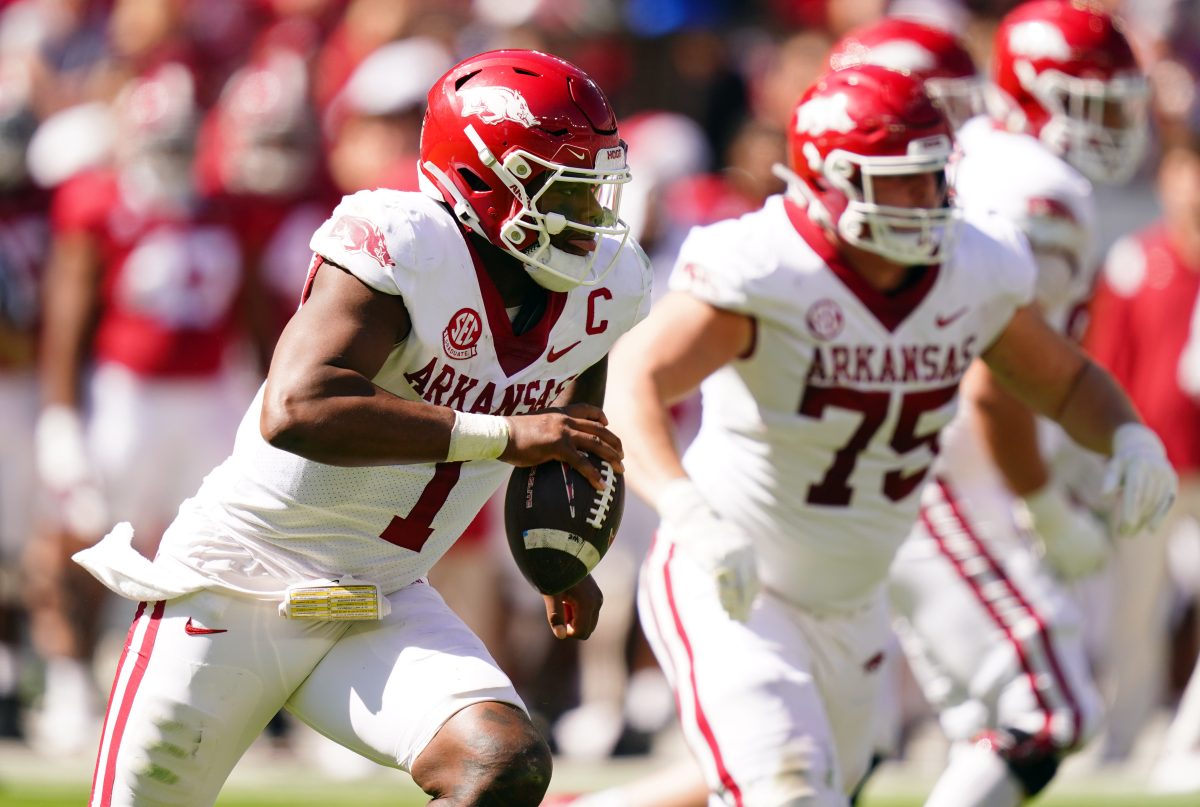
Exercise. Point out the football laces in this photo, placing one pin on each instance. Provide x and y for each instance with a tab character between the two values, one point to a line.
603	498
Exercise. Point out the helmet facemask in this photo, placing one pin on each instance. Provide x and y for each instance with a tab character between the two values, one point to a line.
561	247
1099	126
902	234
529	233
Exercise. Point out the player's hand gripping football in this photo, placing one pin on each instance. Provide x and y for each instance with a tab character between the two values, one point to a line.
1073	541
567	434
574	612
1140	479
716	545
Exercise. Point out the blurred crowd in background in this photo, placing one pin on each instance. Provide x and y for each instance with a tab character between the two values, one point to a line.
163	164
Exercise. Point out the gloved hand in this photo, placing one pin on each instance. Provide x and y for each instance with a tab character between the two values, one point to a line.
66	471
1139	479
1073	541
716	545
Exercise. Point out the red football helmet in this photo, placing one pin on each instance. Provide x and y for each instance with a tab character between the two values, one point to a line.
502	129
853	126
931	54
1071	79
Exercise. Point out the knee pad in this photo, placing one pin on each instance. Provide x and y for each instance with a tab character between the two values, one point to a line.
1032	759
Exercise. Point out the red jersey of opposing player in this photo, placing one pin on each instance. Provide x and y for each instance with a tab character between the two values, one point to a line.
170	279
1140	319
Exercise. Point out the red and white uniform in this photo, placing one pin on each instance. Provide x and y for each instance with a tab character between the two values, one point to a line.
816	445
994	639
266	519
160	394
1141	318
24	243
390	524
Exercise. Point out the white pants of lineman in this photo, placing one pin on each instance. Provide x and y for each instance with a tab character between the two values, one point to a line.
201	676
778	711
993	639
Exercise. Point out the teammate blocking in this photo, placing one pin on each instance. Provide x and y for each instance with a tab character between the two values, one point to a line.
443	337
991	632
828	333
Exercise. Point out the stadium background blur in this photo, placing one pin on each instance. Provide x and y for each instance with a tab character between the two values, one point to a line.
277	108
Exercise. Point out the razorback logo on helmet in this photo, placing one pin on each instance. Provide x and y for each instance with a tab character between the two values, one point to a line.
1037	39
462	333
825	319
825	113
361	235
902	54
492	104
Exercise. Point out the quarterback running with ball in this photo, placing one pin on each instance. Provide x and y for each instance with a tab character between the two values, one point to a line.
443	337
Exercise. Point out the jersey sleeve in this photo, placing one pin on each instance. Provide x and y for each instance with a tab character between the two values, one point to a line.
1051	203
80	204
719	264
1001	252
369	236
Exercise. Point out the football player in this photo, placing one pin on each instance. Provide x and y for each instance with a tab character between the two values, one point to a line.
989	628
828	332
443	337
140	312
1145	327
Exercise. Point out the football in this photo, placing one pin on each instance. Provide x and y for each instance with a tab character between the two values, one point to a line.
558	525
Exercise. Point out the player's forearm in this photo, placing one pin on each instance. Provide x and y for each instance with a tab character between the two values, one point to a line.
1008	429
341	418
1093	408
68	321
637	414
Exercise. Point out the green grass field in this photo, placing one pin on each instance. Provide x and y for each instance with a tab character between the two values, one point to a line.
374	794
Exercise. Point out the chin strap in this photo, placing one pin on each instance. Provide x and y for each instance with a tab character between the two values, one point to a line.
444	187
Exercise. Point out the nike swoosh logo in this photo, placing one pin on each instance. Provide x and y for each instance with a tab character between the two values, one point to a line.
577	153
552	355
942	320
196	630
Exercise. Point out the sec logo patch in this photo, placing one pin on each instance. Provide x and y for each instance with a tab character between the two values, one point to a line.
825	319
462	334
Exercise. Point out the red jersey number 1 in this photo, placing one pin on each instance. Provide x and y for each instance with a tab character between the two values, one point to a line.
413	530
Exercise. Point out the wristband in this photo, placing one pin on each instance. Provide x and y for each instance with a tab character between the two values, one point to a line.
477	437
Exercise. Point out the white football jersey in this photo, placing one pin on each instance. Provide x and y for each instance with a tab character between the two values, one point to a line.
1015	176
269	510
817	442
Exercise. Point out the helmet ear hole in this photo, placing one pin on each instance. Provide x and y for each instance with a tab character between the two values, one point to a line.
473	180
